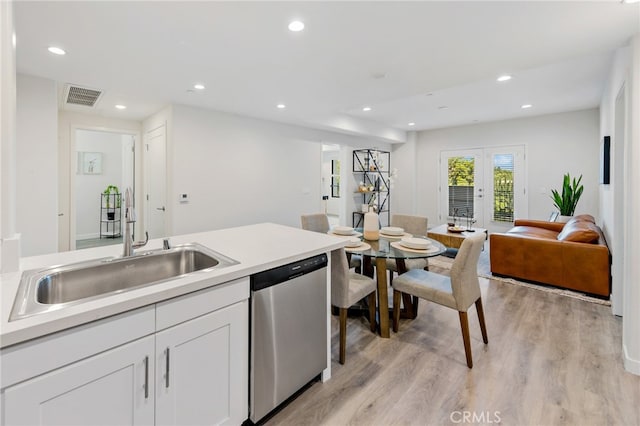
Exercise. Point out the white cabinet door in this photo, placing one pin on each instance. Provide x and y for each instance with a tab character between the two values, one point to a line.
111	388
201	369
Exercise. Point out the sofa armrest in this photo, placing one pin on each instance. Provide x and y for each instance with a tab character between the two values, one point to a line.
552	226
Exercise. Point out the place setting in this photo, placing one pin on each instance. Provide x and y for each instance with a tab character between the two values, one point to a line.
393	232
355	244
344	231
415	245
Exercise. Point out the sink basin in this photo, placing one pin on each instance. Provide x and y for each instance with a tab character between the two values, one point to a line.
53	288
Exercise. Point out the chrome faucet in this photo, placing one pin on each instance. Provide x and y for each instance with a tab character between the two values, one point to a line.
130	217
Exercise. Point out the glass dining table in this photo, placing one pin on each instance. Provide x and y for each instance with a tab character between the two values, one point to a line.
375	253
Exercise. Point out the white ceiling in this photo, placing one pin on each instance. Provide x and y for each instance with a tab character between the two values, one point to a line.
403	59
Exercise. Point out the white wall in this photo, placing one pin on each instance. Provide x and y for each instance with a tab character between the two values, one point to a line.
89	187
555	144
239	170
611	197
37	160
631	313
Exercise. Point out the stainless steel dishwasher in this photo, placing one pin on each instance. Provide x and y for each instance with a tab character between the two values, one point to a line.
288	332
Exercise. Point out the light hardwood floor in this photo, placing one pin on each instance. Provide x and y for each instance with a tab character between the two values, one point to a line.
551	360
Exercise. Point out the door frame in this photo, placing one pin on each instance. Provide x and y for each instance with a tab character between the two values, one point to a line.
66	240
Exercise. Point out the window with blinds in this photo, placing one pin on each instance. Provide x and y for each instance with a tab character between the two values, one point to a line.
461	186
503	189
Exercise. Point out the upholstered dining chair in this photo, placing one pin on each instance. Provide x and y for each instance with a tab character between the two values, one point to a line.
458	292
319	222
316	222
417	226
347	288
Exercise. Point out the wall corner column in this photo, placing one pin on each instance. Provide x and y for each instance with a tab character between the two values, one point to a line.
9	239
631	300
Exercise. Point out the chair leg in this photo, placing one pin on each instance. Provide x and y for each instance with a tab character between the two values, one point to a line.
372	311
343	334
396	310
464	324
483	326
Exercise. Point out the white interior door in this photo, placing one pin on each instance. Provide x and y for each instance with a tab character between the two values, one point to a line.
155	166
462	186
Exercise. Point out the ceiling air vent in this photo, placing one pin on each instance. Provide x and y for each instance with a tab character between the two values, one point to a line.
84	96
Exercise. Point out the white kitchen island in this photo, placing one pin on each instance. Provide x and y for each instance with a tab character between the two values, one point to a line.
144	350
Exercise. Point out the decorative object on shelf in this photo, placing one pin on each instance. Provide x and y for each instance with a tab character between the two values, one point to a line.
110	212
372	170
371	226
469	219
112	189
567	201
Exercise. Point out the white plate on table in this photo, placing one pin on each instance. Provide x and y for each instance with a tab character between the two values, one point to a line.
415	243
393	231
353	242
342	230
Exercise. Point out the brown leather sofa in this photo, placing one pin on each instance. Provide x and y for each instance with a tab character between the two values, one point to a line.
572	255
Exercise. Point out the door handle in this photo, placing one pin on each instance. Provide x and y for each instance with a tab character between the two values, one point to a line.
146	377
166	379
160	208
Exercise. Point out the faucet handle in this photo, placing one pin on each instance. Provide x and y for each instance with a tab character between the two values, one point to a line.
138	244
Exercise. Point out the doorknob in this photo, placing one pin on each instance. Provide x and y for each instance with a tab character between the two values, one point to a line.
160	208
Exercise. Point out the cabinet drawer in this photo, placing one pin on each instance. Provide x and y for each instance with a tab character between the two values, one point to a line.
192	305
47	353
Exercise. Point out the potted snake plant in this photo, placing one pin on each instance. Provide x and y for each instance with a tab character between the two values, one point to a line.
567	201
111	189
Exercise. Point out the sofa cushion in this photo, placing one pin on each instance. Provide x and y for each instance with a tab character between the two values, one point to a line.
582	218
579	232
533	231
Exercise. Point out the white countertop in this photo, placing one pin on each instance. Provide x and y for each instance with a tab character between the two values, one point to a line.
256	248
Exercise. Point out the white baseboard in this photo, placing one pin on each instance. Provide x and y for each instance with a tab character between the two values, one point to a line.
631	365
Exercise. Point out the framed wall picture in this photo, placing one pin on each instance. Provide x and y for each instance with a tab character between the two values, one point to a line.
90	163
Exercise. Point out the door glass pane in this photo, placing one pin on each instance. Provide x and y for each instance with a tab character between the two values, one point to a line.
503	187
461	186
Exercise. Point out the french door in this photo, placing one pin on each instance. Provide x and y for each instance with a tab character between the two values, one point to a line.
486	186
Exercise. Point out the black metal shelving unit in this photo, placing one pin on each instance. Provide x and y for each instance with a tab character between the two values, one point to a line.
110	216
372	167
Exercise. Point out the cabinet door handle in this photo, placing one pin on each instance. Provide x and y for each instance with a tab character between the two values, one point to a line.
146	377
166	376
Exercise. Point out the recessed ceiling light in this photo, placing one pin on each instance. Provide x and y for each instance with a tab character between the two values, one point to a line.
198	86
281	106
502	78
121	106
56	50
296	26
366	109
525	106
630	1
411	124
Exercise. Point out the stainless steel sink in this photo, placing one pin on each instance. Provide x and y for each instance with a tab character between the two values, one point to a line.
53	288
